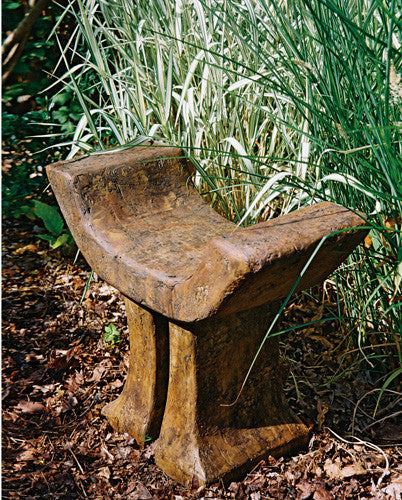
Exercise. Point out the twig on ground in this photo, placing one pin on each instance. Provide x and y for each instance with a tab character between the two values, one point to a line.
368	445
76	460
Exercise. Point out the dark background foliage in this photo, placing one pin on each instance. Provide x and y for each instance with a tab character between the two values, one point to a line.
33	119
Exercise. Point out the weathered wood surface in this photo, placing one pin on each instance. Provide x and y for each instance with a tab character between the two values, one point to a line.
138	410
202	293
144	228
205	435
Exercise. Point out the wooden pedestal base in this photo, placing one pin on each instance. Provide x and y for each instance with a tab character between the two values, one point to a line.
203	437
202	433
138	411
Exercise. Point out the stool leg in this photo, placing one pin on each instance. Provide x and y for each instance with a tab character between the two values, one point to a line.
209	360
138	410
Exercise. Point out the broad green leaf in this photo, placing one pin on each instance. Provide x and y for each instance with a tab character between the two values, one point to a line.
61	98
47	237
61	240
50	215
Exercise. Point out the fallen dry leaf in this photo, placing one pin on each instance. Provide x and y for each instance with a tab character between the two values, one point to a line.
150	450
97	374
30	407
124	451
116	384
306	489
26	248
367	241
26	456
355	469
100	370
322	494
104	472
394	489
59	363
140	493
336	471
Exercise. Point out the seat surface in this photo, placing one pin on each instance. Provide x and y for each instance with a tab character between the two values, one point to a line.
144	228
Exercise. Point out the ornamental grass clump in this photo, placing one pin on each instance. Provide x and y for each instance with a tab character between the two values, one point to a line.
280	104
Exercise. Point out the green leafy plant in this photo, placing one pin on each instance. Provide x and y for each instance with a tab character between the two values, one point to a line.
54	223
66	111
25	107
112	334
24	157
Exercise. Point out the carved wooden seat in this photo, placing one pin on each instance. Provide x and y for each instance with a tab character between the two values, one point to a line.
200	296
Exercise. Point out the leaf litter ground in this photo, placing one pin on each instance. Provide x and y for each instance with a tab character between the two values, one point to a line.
58	373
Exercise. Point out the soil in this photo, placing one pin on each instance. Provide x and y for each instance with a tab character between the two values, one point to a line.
59	371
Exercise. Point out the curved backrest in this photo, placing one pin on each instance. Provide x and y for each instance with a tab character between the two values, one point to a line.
144	228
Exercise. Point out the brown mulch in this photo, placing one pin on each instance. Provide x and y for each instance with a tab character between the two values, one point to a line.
58	372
